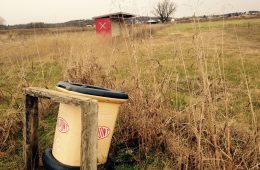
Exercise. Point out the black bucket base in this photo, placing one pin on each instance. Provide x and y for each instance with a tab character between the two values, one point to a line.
50	163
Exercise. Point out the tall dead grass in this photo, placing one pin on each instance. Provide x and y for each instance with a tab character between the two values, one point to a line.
192	137
175	110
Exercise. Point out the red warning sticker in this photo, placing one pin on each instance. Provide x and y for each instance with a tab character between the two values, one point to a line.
62	125
103	132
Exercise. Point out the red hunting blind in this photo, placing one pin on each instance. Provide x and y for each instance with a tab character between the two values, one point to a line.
114	24
103	26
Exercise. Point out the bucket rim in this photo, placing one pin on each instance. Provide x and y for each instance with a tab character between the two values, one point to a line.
92	90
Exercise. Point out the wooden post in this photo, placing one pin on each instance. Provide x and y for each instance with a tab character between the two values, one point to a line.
89	122
31	155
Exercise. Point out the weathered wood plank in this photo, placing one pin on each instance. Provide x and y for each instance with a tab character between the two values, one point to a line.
89	121
56	96
30	133
89	109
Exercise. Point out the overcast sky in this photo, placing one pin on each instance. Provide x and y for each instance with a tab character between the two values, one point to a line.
51	11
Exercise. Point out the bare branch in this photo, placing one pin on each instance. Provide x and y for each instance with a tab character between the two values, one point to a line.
2	21
165	9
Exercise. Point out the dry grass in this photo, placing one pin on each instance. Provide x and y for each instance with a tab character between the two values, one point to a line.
194	97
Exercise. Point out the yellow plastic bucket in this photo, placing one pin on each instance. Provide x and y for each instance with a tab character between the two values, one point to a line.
67	139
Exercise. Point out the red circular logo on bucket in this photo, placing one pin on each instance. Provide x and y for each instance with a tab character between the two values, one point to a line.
62	125
103	132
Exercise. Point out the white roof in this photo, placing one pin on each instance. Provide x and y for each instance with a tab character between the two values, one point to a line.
152	20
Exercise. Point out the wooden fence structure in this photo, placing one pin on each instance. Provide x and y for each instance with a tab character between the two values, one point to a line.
89	121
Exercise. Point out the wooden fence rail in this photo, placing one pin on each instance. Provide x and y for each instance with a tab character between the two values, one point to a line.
89	121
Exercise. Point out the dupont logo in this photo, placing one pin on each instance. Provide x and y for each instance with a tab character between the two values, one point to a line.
103	132
62	125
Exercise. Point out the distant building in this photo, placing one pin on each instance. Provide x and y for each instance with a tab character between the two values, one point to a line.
114	24
253	12
152	21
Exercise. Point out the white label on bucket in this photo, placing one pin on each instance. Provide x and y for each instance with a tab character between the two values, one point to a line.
103	132
62	125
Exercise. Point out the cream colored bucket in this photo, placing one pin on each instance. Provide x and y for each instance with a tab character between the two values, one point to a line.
67	139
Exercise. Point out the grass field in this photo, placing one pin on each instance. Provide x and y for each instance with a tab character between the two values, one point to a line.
194	91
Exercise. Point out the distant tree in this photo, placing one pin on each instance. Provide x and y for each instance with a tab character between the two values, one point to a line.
2	21
165	9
